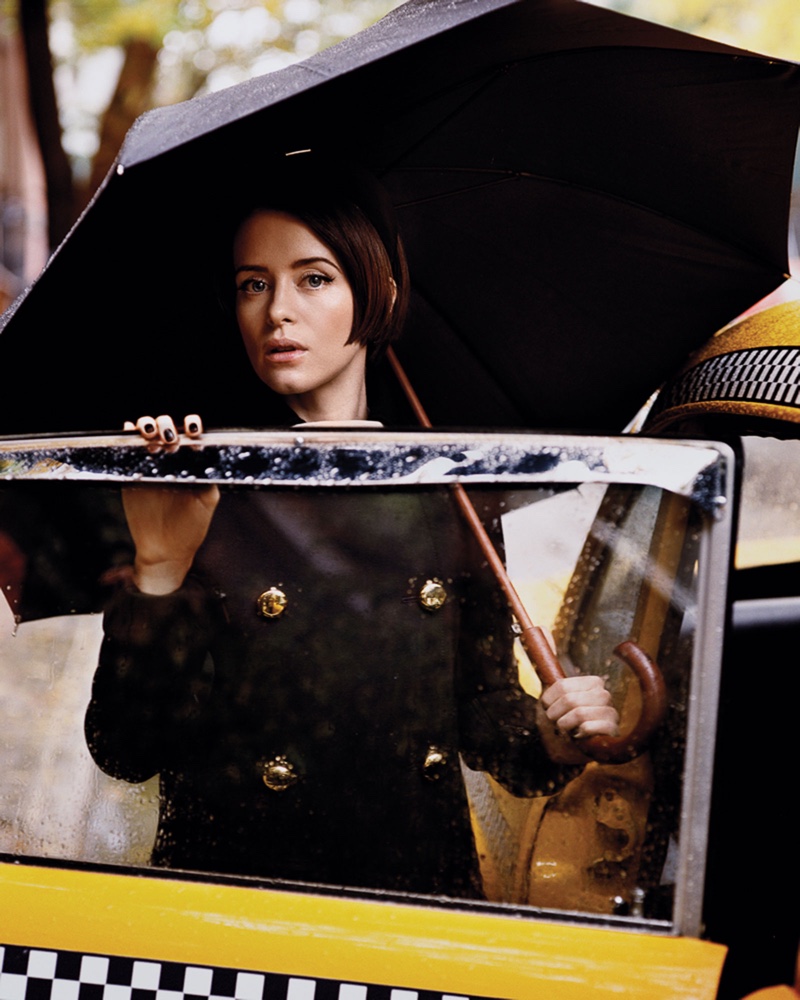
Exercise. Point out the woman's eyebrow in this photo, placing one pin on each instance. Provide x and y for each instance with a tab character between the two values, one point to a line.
251	267
302	262
305	261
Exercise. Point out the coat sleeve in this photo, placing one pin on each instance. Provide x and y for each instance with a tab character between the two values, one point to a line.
153	676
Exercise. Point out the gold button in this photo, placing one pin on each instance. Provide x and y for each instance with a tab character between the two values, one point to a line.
435	762
279	774
271	603
432	595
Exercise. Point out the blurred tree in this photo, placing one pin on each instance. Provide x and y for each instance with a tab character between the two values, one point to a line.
61	202
166	51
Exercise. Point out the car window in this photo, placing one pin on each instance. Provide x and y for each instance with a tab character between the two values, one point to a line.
338	695
769	519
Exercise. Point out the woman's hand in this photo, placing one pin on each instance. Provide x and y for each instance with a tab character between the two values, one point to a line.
168	525
161	431
581	706
577	707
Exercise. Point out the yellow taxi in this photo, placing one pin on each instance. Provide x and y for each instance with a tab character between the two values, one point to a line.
596	890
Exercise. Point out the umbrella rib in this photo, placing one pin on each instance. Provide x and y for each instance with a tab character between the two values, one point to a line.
498	177
437	307
454	112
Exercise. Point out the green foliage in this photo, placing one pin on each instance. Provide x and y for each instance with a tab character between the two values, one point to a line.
99	23
214	43
771	27
217	31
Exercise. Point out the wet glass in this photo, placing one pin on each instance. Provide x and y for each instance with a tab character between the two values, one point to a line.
354	708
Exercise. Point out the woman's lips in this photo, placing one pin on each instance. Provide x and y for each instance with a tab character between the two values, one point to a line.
282	351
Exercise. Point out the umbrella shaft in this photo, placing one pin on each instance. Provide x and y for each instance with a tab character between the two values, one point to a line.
532	637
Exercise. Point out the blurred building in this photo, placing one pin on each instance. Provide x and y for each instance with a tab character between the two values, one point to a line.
23	213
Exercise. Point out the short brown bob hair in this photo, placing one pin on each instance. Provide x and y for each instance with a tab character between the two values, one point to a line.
348	210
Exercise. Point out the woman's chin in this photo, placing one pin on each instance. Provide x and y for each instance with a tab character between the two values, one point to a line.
284	384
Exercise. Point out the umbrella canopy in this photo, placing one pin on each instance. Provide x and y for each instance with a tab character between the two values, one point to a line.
584	198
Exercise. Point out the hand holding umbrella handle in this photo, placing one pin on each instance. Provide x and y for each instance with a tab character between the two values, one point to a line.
606	749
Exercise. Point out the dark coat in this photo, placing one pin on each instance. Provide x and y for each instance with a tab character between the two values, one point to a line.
363	697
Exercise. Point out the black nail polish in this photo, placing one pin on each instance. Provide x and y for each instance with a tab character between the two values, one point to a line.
191	428
169	435
149	428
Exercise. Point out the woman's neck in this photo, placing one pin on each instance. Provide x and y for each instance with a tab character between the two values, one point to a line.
332	403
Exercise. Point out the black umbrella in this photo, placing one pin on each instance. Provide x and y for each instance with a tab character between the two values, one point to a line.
585	197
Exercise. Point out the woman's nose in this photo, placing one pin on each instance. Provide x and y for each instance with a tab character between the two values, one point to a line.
280	309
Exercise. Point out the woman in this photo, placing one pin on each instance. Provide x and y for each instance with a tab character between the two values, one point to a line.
307	713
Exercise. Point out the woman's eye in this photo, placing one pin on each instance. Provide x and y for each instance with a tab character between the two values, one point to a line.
317	280
256	285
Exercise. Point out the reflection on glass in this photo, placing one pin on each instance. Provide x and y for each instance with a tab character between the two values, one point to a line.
349	707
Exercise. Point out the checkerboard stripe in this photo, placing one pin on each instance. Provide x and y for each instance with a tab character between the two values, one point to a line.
756	375
36	974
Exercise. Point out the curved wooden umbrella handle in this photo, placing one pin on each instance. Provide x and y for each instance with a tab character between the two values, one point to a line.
609	749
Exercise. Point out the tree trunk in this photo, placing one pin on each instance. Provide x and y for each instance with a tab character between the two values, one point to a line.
61	202
131	98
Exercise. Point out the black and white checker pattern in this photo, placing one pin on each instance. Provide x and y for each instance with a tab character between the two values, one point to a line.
755	375
37	974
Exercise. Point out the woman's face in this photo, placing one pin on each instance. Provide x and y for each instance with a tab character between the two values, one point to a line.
294	307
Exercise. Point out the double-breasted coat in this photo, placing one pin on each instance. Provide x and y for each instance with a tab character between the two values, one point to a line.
323	742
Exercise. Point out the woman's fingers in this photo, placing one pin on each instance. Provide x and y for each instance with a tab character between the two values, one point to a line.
167	431
581	706
162	430
192	425
596	721
575	690
146	426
